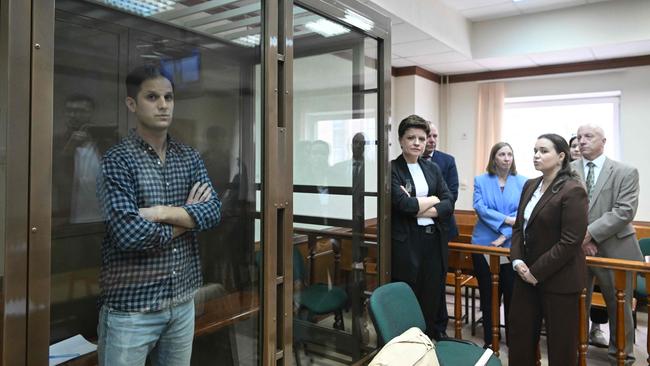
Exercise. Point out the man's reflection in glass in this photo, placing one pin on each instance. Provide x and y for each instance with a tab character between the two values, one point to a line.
227	265
320	169
343	172
78	111
319	164
76	163
301	162
358	168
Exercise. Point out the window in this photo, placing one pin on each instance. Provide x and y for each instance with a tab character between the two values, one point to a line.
525	118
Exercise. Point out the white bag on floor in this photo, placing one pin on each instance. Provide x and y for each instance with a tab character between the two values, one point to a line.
410	348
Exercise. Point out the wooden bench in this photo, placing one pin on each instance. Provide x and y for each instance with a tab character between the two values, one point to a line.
464	263
598	301
466	219
468	282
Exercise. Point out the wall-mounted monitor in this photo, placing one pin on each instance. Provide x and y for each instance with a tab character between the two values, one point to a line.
185	70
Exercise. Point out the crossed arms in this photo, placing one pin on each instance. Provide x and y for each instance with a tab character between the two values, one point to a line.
439	205
134	228
178	217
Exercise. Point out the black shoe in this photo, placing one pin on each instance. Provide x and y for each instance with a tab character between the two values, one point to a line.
439	336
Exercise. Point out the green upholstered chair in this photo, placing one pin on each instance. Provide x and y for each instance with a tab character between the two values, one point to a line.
311	299
460	353
640	290
394	309
318	298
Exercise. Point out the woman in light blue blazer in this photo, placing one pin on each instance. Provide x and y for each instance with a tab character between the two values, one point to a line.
496	198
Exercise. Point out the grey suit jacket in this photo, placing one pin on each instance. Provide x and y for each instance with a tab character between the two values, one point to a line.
612	208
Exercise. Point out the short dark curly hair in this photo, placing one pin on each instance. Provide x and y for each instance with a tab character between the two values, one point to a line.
142	73
413	121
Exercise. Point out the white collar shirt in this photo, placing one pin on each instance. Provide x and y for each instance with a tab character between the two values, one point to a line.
598	166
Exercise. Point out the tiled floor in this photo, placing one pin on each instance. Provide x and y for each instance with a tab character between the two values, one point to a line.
595	356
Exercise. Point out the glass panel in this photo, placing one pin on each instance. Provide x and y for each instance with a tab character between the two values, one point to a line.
3	188
211	52
335	188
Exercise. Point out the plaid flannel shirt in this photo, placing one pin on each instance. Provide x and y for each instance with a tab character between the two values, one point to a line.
143	268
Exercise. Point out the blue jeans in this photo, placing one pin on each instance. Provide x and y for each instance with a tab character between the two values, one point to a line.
127	338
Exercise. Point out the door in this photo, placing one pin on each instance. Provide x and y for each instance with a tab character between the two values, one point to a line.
337	182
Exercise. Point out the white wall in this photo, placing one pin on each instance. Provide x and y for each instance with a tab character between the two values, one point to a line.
461	104
412	95
402	95
634	84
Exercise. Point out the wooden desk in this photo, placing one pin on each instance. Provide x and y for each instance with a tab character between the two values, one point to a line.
226	310
218	313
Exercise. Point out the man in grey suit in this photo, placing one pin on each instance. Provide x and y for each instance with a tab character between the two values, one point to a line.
613	190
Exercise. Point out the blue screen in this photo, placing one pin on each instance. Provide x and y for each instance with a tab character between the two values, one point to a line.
183	70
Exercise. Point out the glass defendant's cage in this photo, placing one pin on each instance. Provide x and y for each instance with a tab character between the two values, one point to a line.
288	104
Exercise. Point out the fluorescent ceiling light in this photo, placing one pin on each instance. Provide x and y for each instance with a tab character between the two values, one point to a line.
326	28
248	41
143	7
358	20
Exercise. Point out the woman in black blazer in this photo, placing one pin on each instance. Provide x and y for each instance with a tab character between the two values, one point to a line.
547	255
421	204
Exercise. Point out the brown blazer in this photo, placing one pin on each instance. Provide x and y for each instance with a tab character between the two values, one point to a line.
551	245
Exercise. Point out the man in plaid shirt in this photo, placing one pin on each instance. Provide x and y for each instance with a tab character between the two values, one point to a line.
156	196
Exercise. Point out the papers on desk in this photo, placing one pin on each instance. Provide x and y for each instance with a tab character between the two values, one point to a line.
70	348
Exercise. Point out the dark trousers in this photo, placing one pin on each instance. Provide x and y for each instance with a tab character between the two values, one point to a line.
560	313
598	316
484	277
429	285
442	317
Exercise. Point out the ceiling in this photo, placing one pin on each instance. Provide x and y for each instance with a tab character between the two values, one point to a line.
477	10
446	36
502	34
229	21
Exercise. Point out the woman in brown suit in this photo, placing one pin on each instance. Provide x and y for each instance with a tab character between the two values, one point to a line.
546	253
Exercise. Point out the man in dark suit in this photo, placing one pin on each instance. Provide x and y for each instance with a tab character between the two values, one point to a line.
447	165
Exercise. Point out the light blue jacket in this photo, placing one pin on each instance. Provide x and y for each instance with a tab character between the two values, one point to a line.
493	206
